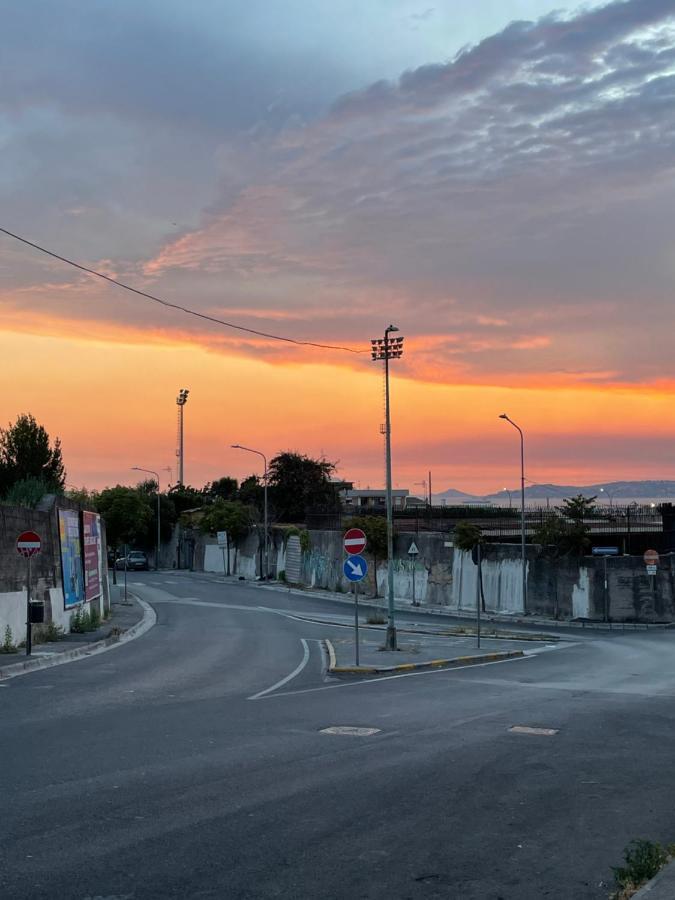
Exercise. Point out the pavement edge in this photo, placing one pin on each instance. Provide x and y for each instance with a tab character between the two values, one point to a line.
661	886
32	665
456	662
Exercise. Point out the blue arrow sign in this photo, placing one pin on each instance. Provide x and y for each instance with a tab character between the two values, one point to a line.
355	568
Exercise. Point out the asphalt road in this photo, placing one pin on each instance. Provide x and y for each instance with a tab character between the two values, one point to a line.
190	764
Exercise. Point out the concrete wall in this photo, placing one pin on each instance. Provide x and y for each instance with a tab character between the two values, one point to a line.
45	570
563	588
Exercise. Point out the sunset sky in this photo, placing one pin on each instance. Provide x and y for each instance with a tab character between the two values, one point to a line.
494	177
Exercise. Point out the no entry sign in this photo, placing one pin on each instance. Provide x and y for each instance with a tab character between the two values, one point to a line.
28	544
354	541
651	558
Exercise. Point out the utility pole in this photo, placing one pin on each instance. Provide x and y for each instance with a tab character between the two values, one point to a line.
389	348
522	507
181	400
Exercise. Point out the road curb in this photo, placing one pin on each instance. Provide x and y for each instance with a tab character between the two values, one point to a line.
457	662
661	886
116	640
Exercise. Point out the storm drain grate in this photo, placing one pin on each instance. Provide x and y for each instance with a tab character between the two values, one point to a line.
528	729
354	730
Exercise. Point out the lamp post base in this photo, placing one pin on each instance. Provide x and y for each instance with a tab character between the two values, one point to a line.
390	638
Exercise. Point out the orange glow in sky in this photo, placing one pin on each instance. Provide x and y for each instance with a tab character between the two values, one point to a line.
496	179
113	405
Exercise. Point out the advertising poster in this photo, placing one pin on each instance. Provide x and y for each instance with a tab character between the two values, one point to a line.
71	557
91	534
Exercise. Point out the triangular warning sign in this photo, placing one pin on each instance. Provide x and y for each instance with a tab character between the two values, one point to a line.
412	549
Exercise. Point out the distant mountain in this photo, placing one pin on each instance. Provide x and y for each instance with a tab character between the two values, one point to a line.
609	490
452	494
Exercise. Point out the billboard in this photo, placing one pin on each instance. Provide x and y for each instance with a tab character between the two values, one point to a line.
91	542
71	557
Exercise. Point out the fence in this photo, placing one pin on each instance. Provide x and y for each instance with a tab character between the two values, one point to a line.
631	528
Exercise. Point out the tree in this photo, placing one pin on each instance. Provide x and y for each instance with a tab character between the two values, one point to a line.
578	508
297	483
27	492
375	530
230	516
566	532
224	488
127	514
186	497
252	493
467	537
84	497
27	453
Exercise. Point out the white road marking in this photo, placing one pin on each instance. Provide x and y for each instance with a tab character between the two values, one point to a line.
296	671
342	684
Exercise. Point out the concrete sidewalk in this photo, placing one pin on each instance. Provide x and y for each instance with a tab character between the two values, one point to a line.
125	620
415	651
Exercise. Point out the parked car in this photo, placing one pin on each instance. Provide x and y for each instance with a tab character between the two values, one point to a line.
135	560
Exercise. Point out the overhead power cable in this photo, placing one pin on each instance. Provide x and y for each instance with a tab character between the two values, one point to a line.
167	303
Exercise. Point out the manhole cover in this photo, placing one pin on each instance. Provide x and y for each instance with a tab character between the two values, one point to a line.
528	729
350	729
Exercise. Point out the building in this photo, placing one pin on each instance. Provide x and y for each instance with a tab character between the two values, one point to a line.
367	499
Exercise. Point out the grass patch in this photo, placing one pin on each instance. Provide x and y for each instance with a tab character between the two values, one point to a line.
8	645
643	860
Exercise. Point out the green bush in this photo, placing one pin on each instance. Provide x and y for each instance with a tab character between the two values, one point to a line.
644	859
282	575
52	632
305	541
8	645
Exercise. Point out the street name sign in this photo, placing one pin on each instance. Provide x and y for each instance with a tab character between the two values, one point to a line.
412	549
354	541
605	551
651	558
355	568
28	544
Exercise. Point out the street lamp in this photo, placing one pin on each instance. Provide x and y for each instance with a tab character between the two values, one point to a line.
522	506
259	453
423	483
386	349
181	400
510	497
151	472
609	494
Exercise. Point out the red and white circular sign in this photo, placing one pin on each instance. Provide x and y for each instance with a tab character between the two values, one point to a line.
651	558
354	541
28	544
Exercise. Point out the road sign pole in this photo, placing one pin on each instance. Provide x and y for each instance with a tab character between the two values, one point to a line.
478	596
606	591
356	620
414	602
29	627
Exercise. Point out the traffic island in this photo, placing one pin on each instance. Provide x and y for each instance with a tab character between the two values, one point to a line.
407	658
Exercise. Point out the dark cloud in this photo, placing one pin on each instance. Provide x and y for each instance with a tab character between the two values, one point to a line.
529	181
